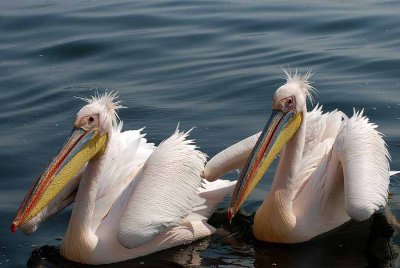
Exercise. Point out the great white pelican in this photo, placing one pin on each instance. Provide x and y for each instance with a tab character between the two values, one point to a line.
331	168
131	198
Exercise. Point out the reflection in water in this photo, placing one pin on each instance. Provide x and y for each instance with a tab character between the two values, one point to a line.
49	256
354	244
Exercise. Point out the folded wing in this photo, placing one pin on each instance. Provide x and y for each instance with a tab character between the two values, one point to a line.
365	161
164	192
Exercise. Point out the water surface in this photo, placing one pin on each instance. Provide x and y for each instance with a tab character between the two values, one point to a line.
212	64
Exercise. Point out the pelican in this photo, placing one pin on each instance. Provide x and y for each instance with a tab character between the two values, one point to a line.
130	197
331	168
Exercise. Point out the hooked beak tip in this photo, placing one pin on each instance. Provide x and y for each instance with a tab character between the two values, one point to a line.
14	227
230	215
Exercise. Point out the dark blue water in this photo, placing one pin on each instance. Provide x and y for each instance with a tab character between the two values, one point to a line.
212	64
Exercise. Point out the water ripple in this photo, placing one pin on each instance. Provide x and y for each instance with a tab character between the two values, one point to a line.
213	64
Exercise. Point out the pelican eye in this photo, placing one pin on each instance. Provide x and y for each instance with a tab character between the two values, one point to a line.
289	103
91	119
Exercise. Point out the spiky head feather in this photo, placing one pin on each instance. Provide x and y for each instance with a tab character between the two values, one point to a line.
303	82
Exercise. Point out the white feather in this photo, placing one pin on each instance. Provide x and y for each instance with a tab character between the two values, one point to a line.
136	199
319	127
213	193
333	169
365	162
233	157
168	186
127	152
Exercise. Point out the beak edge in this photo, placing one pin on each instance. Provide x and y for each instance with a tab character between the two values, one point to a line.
13	227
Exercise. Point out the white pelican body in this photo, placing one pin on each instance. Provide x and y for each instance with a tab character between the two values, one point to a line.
331	168
133	198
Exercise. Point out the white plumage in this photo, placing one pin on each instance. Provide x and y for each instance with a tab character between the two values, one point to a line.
135	198
334	169
168	187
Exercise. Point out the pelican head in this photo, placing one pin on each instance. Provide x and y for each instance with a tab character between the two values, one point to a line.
87	140
288	110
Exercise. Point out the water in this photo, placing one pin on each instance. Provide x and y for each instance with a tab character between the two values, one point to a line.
213	64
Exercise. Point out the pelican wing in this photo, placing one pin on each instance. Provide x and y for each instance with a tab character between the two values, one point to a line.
164	192
321	132
320	127
355	169
365	161
126	155
127	151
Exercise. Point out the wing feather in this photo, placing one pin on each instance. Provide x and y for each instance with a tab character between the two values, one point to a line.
365	161
214	193
127	152
165	191
321	132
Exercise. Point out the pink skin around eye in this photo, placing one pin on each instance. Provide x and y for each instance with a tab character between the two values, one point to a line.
286	104
290	104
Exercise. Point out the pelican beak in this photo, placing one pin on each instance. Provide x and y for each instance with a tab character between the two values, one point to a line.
81	146
279	130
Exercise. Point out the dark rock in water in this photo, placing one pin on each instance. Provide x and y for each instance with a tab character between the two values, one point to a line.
241	225
380	252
